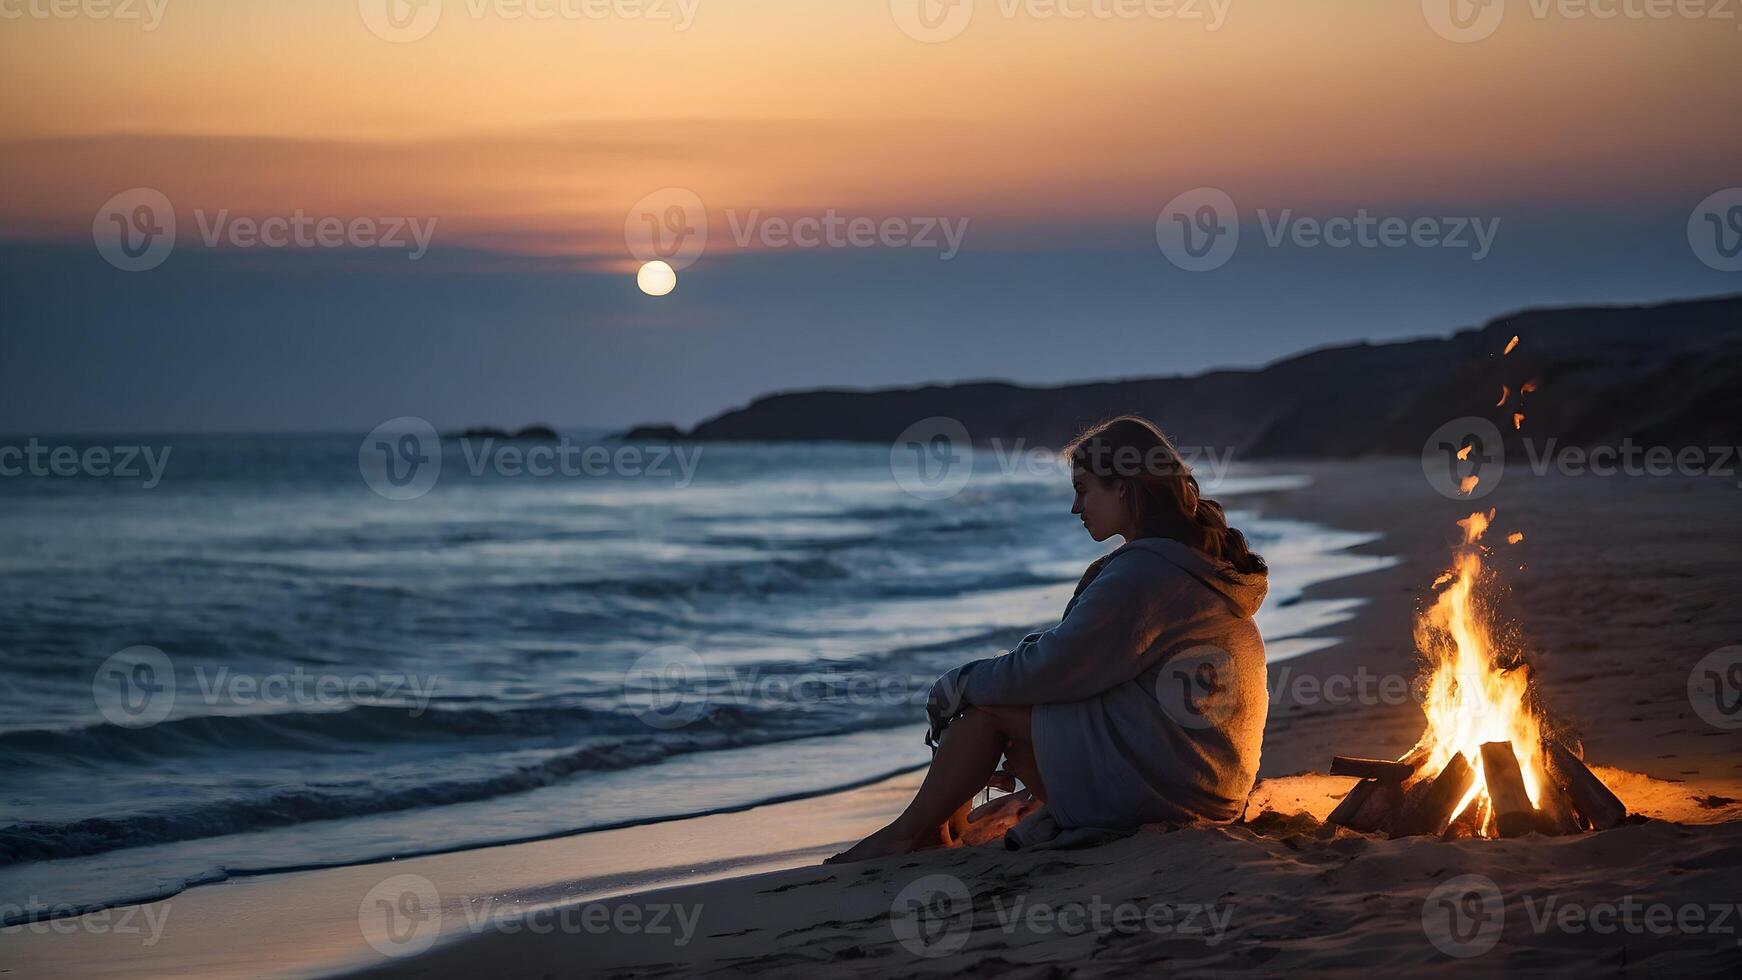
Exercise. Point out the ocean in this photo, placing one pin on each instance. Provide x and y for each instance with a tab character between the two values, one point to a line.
262	661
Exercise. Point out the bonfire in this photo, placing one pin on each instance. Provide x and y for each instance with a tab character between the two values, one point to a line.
1489	763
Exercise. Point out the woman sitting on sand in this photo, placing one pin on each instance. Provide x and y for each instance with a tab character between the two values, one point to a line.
1147	701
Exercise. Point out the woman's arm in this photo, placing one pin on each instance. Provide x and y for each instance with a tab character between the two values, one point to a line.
1105	640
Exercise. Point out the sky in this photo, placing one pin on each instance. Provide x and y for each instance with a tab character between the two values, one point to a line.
991	189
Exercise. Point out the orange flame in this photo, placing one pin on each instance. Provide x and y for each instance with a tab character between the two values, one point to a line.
1505	393
1515	537
1470	699
1529	386
1518	420
1509	345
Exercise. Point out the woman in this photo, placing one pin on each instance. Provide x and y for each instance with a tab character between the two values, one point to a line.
1147	701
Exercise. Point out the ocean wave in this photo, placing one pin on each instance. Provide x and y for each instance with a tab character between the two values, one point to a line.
307	731
739	578
38	840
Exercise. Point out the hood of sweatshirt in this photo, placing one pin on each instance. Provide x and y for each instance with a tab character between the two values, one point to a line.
1245	592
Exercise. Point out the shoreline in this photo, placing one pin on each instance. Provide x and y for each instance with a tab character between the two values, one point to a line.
733	852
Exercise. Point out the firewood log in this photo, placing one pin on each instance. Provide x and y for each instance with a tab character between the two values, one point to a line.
1379	812
1590	797
1556	808
1352	803
1513	814
1465	824
1433	808
1390	772
1418	755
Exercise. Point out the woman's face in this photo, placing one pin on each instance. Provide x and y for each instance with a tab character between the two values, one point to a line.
1101	505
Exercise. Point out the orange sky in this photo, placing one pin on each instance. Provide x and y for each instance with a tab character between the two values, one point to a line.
537	135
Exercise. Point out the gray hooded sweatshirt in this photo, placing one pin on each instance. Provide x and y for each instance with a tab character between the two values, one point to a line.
1149	695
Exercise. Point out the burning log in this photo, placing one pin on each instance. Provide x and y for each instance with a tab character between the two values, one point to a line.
1466	824
1352	803
1379	812
1432	808
1590	797
1380	769
1370	807
1513	814
1558	817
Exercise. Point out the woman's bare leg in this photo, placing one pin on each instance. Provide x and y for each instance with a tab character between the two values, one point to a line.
967	756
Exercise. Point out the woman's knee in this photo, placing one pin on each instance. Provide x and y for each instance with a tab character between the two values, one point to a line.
977	718
1013	721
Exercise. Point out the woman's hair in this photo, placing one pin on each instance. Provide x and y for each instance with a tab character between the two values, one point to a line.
1164	495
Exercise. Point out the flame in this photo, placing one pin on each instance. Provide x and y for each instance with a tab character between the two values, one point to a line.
1529	386
1505	393
1515	537
1509	345
1470	699
1464	453
1467	484
1518	420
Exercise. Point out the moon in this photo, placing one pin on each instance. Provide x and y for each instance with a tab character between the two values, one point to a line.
656	278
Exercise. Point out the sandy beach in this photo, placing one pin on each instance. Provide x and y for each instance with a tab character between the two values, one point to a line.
1616	619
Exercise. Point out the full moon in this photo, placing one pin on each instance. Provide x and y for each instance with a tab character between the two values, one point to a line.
656	278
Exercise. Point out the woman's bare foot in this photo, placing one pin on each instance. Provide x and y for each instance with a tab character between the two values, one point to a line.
883	843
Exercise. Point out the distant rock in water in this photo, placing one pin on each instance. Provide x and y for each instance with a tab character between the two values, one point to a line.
652	433
1664	375
532	433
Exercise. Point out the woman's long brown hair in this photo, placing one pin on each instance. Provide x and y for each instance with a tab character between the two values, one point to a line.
1165	498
